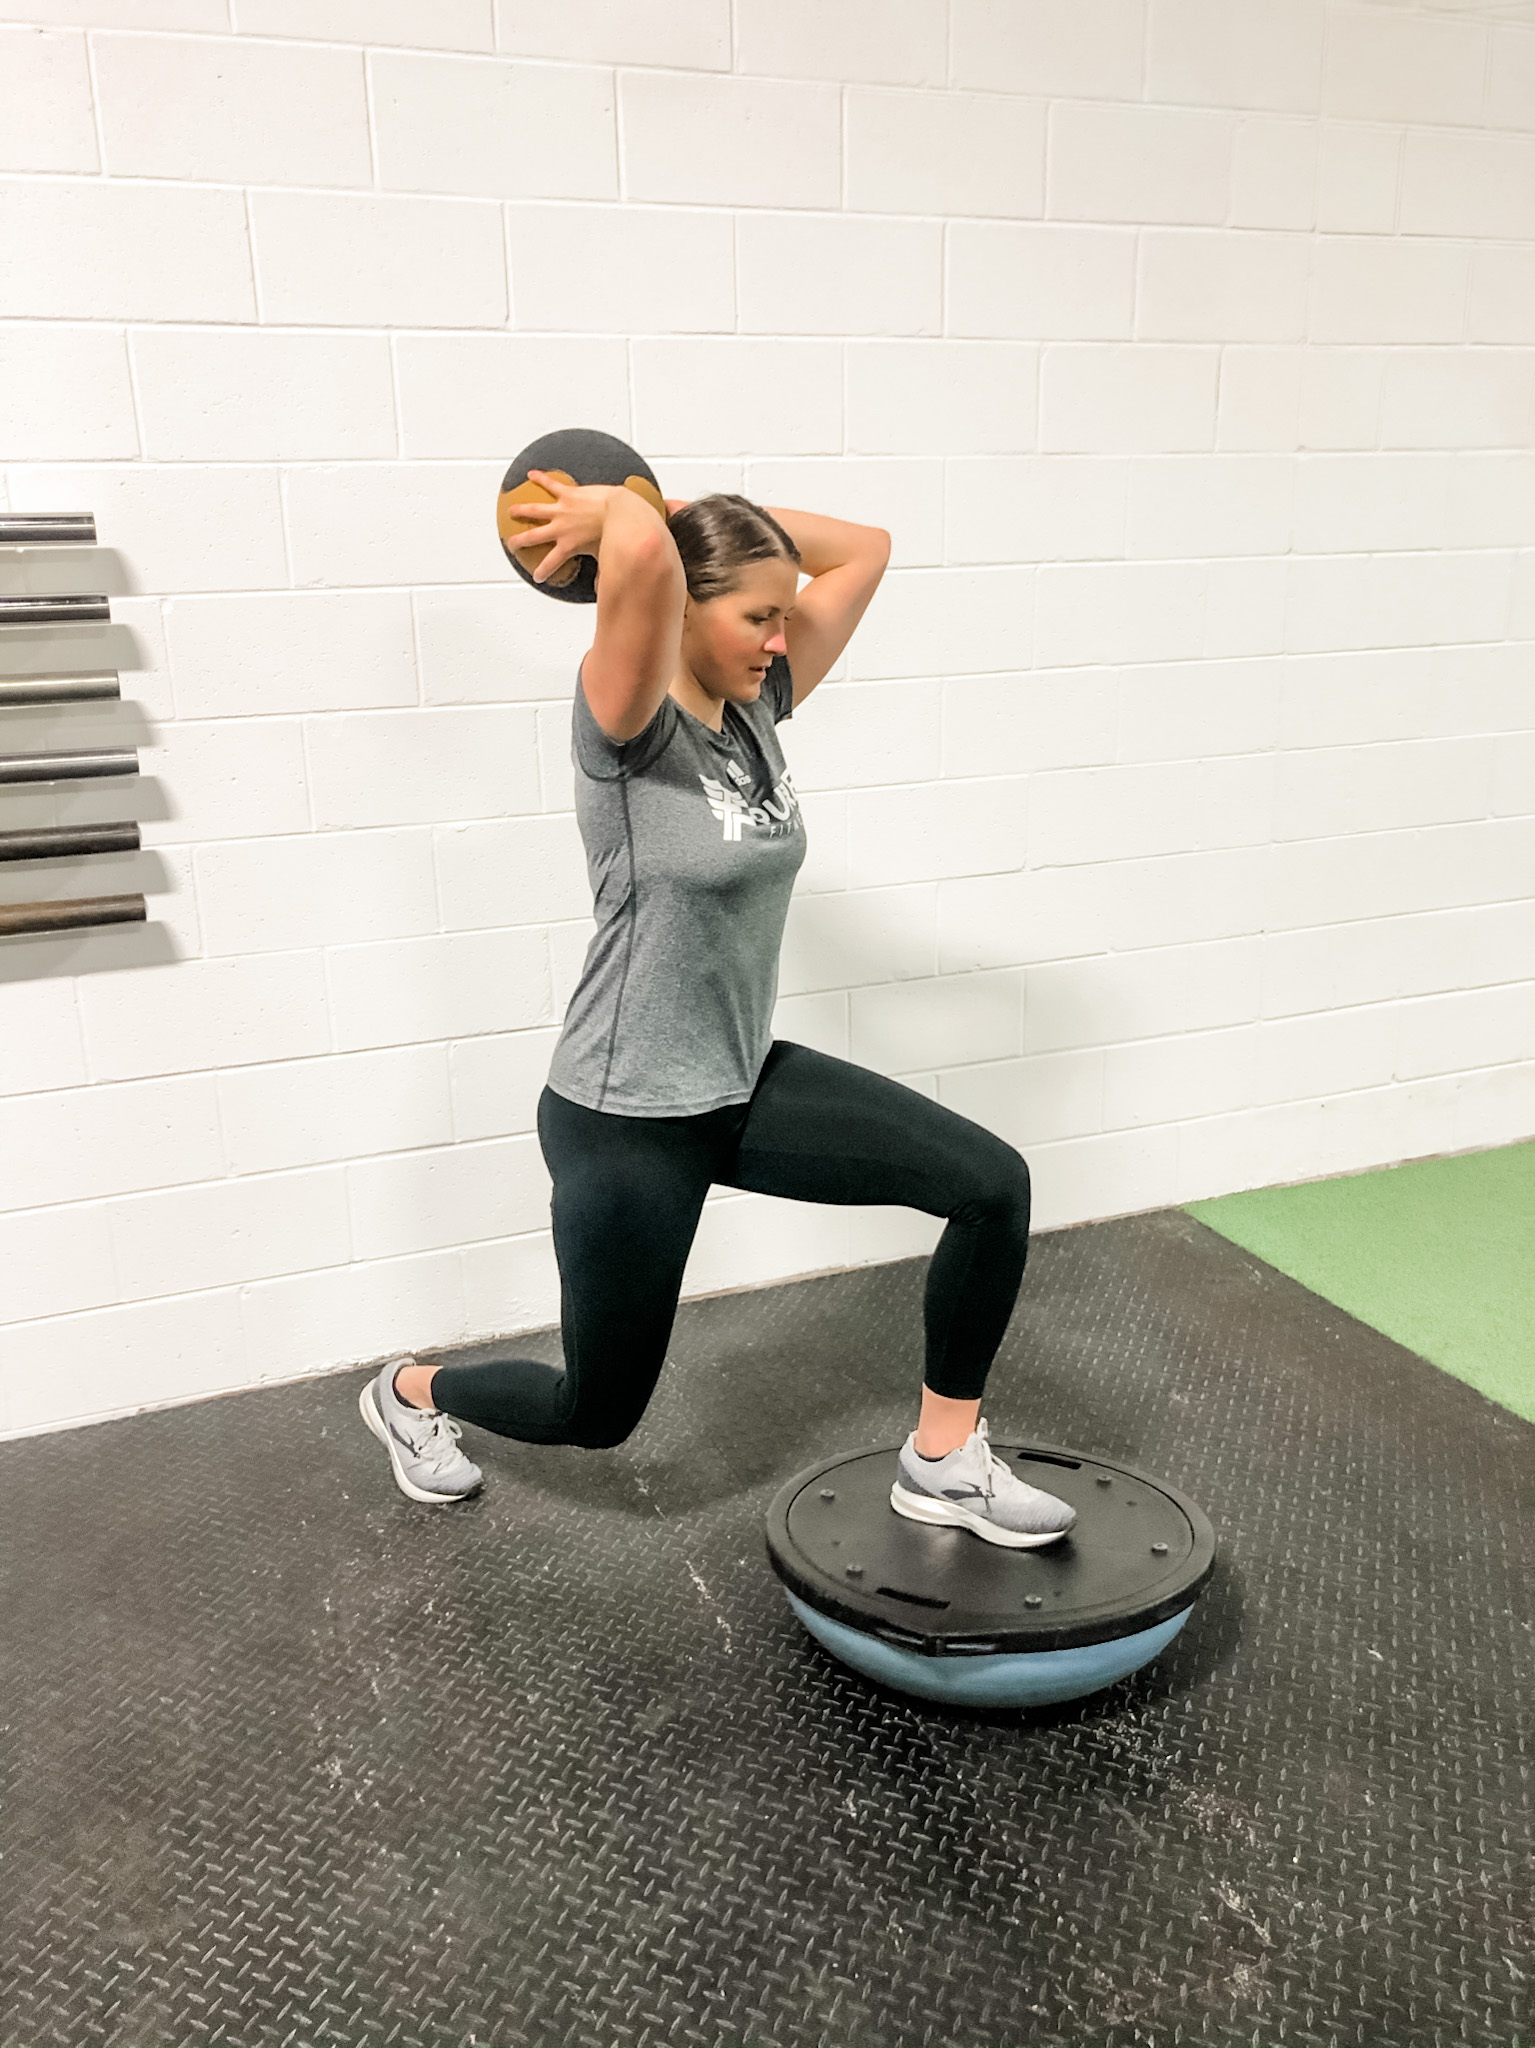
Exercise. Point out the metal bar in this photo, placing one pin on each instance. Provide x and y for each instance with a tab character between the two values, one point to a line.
70	915
67	767
72	689
53	842
40	529
53	611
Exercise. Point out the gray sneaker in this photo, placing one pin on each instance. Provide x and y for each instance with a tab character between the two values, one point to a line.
973	1489
422	1442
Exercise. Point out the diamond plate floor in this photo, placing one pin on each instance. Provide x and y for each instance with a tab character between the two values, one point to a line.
290	1760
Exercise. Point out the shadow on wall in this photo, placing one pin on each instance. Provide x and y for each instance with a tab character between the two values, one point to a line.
61	572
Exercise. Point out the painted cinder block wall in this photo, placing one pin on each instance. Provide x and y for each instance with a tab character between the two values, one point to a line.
1172	814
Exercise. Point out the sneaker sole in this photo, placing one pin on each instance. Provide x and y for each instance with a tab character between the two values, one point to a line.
370	1415
920	1507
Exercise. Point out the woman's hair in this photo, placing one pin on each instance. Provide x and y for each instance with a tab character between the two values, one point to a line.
718	535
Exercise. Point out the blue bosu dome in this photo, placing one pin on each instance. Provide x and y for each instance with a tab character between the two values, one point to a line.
942	1613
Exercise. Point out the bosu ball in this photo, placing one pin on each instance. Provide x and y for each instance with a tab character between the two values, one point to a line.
572	455
944	1614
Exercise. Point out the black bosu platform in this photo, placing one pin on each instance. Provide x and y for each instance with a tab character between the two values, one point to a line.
287	1761
1139	1553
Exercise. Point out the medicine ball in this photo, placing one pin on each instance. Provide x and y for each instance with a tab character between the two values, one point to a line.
575	455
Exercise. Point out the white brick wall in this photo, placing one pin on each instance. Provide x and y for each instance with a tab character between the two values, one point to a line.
49	124
1173	813
485	126
194	108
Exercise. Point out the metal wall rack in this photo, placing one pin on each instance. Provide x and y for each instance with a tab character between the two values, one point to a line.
55	842
48	529
54	611
69	767
62	529
17	918
99	684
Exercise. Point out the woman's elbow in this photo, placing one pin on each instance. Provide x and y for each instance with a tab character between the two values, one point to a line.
648	561
876	555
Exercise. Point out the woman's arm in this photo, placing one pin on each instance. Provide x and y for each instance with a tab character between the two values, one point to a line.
844	563
640	593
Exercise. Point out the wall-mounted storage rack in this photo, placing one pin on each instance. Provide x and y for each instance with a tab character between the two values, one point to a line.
54	611
71	767
47	529
16	918
95	686
58	842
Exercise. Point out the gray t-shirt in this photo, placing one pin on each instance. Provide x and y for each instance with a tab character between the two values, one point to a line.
693	839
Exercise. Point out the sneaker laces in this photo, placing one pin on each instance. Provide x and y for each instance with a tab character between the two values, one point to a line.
991	1464
436	1442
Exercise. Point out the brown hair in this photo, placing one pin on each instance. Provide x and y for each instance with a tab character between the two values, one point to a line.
718	535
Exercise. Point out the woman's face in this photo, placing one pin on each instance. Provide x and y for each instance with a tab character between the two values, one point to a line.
729	642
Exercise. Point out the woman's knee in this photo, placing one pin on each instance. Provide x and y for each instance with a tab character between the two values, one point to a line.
1002	1190
604	1428
604	1437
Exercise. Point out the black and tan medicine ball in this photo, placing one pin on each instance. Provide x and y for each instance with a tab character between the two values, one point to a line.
573	455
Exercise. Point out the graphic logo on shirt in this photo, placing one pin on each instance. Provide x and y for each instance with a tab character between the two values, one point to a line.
773	817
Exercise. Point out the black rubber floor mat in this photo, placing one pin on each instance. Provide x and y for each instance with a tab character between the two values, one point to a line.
289	1759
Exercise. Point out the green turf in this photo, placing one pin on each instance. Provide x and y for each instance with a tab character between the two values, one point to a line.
1439	1255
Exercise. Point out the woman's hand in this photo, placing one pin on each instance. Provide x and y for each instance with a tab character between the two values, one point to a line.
675	505
571	525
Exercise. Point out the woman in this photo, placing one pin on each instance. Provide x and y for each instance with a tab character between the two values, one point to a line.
666	1078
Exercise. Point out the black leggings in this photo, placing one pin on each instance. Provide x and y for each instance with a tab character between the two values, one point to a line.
628	1192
